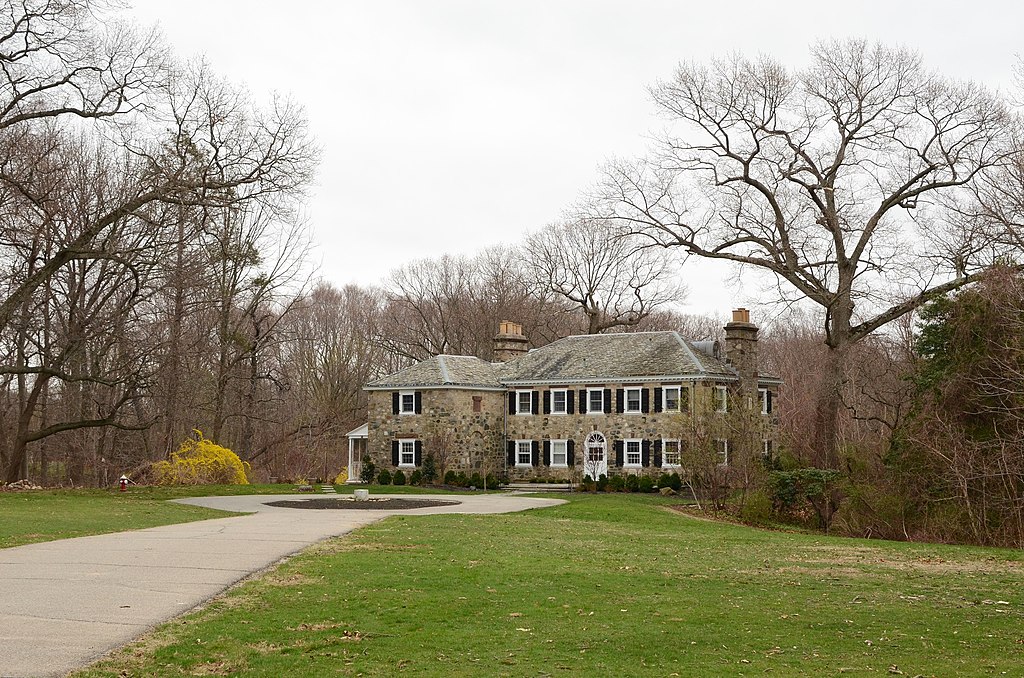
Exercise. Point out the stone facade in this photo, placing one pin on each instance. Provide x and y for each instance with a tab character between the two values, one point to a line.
459	430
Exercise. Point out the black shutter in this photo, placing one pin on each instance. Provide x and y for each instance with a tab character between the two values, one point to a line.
607	401
769	397
645	453
547	402
535	452
547	453
645	400
620	400
418	460
657	453
535	401
618	452
570	453
511	452
394	453
657	399
512	395
419	402
583	401
395	398
569	402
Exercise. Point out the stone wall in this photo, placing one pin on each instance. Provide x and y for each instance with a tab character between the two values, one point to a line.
459	438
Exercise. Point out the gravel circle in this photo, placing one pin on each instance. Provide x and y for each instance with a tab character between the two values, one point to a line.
387	504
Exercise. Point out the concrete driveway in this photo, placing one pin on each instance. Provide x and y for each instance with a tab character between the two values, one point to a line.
67	602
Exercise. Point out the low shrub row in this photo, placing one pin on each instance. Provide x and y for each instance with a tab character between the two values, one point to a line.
632	483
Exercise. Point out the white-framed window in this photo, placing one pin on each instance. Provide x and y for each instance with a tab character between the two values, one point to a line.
670	452
559	401
407	402
633	453
524	402
595	401
559	453
407	452
721	396
671	398
722	448
762	396
634	400
524	453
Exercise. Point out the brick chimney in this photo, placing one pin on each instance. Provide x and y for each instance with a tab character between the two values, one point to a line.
741	352
509	342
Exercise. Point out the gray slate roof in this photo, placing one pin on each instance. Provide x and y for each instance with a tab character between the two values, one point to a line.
599	358
443	370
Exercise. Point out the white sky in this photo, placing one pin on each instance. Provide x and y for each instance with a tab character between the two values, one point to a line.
451	125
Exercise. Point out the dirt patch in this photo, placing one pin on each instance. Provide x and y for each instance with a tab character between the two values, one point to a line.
383	504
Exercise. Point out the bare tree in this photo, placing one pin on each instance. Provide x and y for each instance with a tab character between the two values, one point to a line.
818	177
610	277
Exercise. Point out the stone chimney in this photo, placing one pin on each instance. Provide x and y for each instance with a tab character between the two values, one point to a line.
741	352
510	342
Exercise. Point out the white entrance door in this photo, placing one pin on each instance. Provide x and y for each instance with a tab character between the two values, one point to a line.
595	459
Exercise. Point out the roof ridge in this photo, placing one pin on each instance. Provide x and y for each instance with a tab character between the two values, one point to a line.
693	354
445	378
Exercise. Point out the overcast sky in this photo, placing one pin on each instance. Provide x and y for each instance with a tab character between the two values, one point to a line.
448	126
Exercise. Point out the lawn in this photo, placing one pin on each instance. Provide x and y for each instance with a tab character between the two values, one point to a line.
45	515
605	585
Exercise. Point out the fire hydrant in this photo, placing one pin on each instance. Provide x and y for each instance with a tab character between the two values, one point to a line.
123	483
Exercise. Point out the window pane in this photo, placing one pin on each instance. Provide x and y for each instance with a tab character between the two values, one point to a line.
632	451
671	453
408	402
672	399
525	404
596	401
558	455
633	400
558	401
524	452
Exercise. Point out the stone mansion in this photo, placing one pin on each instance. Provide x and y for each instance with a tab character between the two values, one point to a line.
583	405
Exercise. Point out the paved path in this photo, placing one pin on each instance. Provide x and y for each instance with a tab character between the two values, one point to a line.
65	603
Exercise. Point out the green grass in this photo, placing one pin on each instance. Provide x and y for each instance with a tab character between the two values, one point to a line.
607	585
45	515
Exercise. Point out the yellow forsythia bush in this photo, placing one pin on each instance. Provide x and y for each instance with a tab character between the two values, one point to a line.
342	477
201	462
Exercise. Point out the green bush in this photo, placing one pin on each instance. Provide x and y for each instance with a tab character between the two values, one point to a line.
675	482
450	478
368	470
646	484
416	477
588	484
616	484
602	483
492	482
476	481
665	480
398	478
461	480
757	508
632	483
429	470
384	477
